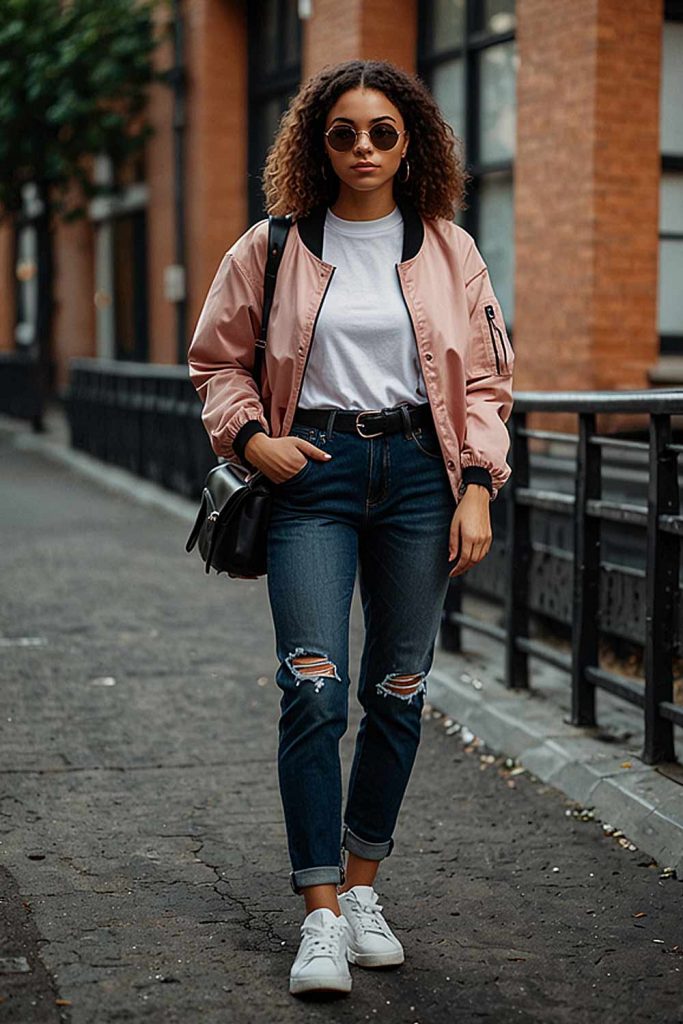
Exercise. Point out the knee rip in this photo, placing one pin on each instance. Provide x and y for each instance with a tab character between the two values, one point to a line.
309	665
402	686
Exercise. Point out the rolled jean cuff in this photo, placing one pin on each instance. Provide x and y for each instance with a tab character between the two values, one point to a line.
333	875
365	849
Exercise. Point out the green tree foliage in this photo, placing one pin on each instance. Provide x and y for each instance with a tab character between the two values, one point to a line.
73	83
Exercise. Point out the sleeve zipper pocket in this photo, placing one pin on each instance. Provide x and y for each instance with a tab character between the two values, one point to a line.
494	330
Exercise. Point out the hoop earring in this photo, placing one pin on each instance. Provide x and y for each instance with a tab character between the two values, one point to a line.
404	180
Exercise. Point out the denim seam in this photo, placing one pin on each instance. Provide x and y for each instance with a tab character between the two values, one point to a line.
385	473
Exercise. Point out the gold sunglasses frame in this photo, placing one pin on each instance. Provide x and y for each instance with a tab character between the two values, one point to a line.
364	131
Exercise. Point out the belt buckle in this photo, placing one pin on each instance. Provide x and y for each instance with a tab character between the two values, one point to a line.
358	426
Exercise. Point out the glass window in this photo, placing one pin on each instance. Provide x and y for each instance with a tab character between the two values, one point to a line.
671	121
669	291
130	285
496	236
497	110
448	25
448	87
274	72
670	295
468	57
671	203
497	15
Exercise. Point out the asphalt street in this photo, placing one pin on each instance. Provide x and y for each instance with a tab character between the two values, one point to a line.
143	861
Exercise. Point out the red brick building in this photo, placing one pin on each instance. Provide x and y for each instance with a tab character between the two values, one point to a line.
573	127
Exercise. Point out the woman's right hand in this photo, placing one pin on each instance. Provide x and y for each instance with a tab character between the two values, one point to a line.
279	458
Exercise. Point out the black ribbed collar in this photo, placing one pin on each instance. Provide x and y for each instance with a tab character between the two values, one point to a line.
311	228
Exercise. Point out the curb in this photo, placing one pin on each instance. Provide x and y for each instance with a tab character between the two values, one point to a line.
641	801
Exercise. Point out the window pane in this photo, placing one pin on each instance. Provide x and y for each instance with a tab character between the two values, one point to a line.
670	295
269	40
267	123
448	26
497	15
497	111
448	89
130	285
671	107
495	237
291	33
671	203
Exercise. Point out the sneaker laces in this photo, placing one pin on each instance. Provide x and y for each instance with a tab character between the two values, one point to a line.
323	940
369	914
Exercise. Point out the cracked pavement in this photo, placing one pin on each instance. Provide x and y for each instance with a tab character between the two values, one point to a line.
143	862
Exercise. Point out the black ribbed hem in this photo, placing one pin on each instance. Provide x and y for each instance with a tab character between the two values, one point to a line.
239	443
477	475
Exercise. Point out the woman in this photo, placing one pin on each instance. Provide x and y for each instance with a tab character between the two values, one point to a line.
384	441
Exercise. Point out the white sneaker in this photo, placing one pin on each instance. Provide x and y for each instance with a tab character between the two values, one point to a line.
321	961
372	942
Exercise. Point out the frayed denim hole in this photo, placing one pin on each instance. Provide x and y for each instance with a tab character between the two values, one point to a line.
318	679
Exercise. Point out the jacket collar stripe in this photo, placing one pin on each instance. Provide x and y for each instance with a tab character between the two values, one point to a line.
311	227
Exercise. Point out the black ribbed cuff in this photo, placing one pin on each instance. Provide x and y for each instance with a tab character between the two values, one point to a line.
477	475
239	443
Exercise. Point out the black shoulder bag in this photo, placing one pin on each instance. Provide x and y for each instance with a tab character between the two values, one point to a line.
232	523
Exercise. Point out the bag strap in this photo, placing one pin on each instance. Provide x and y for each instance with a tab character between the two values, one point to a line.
278	229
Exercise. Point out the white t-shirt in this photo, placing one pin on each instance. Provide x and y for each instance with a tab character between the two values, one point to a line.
363	354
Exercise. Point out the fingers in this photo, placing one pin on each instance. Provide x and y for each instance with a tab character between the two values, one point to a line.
473	549
311	450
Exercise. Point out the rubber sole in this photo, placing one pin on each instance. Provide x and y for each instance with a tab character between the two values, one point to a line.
375	959
320	983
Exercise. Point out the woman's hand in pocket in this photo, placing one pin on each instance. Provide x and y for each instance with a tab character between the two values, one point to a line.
279	458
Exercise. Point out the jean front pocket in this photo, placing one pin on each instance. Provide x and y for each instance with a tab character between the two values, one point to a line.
298	475
305	433
426	440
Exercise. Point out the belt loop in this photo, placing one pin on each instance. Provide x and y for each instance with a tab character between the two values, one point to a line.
330	421
407	425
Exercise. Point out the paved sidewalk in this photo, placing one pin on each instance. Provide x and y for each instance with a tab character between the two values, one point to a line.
143	866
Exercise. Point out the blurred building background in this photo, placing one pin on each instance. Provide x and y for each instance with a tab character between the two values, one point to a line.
572	119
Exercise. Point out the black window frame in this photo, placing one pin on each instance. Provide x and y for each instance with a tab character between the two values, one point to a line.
475	40
264	86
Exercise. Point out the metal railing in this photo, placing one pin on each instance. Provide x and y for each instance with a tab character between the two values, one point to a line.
144	417
589	509
147	418
22	388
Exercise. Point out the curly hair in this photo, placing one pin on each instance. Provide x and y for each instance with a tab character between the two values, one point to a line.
292	177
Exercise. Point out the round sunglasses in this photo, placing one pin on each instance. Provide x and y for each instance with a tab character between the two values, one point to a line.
342	137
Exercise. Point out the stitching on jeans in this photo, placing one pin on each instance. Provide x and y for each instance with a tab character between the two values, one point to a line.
385	474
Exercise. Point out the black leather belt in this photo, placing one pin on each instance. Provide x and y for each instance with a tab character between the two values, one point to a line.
368	422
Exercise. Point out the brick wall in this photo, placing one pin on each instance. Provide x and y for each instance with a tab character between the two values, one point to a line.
360	29
586	193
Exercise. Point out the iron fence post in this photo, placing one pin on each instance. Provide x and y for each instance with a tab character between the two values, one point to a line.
586	578
517	557
660	589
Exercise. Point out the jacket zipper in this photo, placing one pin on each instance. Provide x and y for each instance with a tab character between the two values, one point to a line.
493	327
315	322
419	355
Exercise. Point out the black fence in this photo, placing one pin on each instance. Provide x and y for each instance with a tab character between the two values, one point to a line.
22	388
143	417
580	585
586	540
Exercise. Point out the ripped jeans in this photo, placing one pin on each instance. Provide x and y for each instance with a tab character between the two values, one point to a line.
381	507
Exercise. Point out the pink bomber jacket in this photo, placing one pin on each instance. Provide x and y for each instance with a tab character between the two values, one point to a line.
462	343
